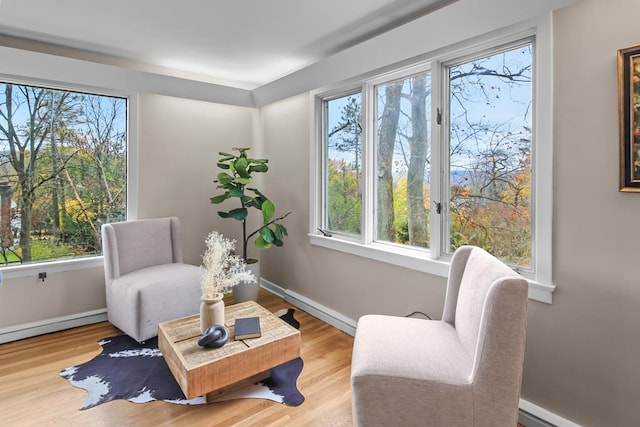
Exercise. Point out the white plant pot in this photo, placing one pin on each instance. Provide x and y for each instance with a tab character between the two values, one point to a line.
248	291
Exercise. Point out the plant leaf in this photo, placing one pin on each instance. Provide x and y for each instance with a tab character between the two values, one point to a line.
258	168
239	214
219	199
250	202
280	232
224	178
243	181
261	244
268	209
240	167
255	190
267	235
236	192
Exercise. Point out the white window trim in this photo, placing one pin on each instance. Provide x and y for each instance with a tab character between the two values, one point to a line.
95	261
429	261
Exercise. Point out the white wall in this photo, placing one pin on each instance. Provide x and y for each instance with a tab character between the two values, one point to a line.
582	352
179	141
26	300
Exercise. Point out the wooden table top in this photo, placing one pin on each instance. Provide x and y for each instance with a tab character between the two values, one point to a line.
200	370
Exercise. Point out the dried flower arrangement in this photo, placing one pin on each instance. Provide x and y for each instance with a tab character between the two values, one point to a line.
222	269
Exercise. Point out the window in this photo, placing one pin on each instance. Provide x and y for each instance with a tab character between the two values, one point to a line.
343	167
415	163
62	171
401	140
488	135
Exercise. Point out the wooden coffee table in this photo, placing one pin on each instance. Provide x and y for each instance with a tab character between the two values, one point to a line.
212	372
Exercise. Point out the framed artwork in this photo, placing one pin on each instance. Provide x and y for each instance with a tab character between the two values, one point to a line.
629	117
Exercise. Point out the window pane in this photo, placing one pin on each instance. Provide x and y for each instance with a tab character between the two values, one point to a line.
490	154
402	161
62	171
343	186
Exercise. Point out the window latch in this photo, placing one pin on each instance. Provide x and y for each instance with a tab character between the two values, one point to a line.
438	207
325	233
438	118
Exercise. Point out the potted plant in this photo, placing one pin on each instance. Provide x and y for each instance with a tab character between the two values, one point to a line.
235	180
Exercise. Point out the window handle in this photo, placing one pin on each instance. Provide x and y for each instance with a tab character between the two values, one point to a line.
325	233
438	207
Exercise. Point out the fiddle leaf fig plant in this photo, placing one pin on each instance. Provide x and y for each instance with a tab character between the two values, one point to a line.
237	173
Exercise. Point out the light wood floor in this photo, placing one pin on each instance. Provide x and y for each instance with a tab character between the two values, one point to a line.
32	393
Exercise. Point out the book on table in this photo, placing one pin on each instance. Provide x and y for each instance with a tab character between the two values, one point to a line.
247	327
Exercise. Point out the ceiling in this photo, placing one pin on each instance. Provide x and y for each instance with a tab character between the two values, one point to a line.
244	43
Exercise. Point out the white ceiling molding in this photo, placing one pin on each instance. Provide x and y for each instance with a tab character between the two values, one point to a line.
463	20
57	71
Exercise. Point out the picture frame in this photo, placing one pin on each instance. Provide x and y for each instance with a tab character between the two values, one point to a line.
629	117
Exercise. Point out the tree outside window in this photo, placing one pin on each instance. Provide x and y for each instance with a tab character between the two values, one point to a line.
486	140
62	171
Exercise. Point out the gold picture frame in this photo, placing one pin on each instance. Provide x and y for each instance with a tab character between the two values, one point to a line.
629	117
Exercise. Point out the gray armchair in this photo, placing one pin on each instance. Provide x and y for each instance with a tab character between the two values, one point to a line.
146	281
463	370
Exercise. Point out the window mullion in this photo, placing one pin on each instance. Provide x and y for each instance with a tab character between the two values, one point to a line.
437	160
369	165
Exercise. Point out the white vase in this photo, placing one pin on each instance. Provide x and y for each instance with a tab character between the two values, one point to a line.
211	312
248	291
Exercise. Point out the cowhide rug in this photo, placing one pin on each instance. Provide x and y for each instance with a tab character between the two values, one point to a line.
138	373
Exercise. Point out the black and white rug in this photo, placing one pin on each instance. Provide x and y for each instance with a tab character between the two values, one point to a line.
138	373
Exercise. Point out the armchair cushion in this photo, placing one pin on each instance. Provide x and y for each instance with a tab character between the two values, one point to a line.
144	298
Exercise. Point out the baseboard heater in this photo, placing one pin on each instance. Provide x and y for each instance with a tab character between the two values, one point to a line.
27	330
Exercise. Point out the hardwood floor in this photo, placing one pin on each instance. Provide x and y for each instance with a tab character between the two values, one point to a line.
32	393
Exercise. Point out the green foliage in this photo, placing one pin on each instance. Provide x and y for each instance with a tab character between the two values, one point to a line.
344	198
11	258
75	176
234	183
44	250
496	218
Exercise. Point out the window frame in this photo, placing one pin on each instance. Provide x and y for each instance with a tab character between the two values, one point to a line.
443	169
91	261
431	260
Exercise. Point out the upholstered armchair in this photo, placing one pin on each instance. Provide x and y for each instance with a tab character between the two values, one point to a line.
146	281
463	370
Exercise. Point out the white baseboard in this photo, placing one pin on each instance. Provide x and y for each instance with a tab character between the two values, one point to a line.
272	287
323	313
27	330
548	418
532	415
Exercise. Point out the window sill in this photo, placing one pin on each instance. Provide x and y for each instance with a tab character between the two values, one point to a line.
414	259
28	270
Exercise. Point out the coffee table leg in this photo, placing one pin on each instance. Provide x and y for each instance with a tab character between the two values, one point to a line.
210	397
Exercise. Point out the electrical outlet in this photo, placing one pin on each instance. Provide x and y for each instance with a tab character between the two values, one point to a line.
42	275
